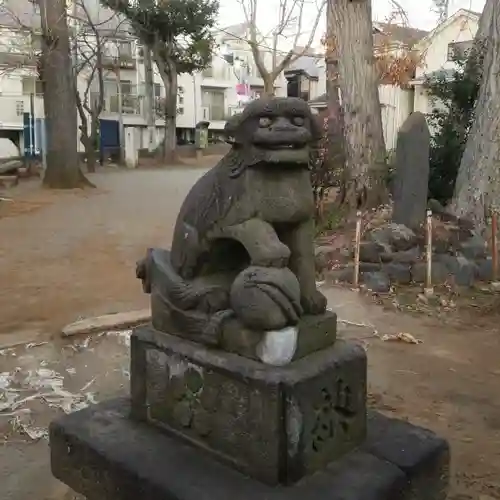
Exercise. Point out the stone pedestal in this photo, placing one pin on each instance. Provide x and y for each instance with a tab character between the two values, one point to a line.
204	424
276	424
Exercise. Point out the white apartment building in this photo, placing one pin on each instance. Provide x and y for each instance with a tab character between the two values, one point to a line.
209	95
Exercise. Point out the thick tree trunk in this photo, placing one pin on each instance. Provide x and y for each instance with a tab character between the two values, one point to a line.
349	28
477	187
150	114
168	75
335	129
63	171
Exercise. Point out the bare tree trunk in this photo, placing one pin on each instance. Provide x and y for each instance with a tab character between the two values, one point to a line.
350	30
168	75
149	98
477	187
63	171
85	135
268	86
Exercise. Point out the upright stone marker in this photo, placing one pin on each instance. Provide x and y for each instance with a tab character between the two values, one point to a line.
412	171
239	387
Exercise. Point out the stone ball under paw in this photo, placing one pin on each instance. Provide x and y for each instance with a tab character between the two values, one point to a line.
266	298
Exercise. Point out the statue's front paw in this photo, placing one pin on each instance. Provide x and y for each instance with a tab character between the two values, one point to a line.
272	255
314	303
142	273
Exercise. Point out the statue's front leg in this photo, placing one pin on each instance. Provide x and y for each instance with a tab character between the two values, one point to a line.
260	241
299	239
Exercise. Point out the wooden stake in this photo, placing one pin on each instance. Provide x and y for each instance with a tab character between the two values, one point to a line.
357	244
494	246
428	290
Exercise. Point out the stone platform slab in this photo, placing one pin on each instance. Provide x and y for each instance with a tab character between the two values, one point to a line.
103	454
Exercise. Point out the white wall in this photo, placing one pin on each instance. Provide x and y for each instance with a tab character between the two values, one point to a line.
397	104
461	28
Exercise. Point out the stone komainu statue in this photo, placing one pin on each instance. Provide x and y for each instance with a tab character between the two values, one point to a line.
243	242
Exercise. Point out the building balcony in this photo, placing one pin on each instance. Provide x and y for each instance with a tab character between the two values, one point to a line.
217	78
131	104
120	62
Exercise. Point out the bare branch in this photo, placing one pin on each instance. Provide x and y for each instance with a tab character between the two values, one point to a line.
291	18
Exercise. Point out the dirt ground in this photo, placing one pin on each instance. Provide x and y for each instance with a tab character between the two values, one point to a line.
64	256
67	255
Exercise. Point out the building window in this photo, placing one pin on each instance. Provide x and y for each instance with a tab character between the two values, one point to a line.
125	50
19	108
126	87
32	85
181	111
157	89
181	99
214	102
139	50
180	89
459	50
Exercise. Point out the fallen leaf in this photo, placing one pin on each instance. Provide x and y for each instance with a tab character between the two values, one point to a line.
401	337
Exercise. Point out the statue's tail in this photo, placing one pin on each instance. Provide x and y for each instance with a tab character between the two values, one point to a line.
195	308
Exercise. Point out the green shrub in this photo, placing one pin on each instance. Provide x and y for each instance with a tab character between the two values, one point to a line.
450	122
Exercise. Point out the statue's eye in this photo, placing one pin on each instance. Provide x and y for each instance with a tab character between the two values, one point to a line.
298	120
265	122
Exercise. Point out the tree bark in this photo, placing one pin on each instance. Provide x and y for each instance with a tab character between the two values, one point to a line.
150	114
477	188
335	129
63	171
149	99
268	86
168	75
349	28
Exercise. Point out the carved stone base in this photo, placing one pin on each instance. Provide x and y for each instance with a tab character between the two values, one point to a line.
101	453
313	333
276	424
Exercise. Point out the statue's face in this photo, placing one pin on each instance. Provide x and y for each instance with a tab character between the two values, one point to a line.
279	130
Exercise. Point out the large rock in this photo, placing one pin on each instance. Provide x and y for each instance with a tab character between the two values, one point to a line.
484	270
439	272
398	272
463	270
404	257
393	237
412	171
474	248
324	256
377	282
345	274
370	251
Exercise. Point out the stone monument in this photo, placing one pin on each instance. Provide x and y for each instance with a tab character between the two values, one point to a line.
412	172
239	387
